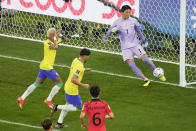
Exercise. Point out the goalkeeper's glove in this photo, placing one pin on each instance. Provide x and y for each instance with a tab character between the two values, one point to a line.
104	39
114	29
144	43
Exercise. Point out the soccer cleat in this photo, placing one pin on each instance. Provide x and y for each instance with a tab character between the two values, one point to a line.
146	83
162	78
53	110
60	125
49	103
20	102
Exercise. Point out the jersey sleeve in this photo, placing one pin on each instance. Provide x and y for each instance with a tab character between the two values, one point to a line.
47	44
138	30
108	109
59	40
84	108
109	32
136	23
77	70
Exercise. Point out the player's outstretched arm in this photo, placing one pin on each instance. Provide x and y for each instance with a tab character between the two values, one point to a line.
75	81
139	32
88	69
82	115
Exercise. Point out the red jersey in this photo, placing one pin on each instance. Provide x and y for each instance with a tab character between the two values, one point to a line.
96	110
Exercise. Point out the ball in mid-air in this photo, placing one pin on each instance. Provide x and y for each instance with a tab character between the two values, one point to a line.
158	72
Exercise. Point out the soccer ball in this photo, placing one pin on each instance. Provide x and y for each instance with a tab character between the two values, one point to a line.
158	72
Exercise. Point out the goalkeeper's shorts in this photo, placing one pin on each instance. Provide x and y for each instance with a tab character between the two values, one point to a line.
131	52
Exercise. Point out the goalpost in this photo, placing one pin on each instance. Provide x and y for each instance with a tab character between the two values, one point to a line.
169	27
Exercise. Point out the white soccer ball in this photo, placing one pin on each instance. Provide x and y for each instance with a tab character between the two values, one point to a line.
158	72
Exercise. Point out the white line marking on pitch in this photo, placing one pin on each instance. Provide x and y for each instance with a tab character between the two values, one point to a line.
96	71
22	124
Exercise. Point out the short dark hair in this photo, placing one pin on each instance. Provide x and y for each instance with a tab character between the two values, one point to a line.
46	123
125	7
94	91
84	52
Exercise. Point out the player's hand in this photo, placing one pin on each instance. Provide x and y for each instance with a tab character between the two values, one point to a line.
86	86
144	43
114	29
104	39
88	69
83	126
107	117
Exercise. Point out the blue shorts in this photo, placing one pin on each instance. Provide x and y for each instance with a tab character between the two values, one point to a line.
51	74
73	99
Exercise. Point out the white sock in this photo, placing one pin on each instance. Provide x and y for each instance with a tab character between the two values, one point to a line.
53	92
68	107
62	116
29	90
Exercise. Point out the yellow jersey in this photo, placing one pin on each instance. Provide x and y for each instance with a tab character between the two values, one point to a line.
49	55
77	69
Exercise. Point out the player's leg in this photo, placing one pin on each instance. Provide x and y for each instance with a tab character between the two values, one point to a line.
73	104
53	75
138	72
128	57
39	80
139	51
148	61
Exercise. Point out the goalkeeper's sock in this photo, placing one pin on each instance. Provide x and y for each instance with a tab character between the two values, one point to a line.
54	91
30	89
149	62
67	107
137	71
62	116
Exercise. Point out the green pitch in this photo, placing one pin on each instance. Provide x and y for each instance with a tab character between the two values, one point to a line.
162	107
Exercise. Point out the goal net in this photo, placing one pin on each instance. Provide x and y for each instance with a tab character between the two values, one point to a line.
85	22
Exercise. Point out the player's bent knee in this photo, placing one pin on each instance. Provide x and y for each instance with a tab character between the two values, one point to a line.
57	80
143	56
129	60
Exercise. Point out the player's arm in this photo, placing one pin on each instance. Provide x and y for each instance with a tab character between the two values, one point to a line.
109	112
88	69
55	45
75	81
110	116
60	37
82	115
111	30
138	30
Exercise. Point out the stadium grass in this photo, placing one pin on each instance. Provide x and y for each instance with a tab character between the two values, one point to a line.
158	108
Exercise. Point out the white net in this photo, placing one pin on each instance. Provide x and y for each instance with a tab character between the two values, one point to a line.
191	42
85	22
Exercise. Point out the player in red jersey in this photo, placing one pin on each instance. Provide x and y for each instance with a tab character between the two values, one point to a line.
97	111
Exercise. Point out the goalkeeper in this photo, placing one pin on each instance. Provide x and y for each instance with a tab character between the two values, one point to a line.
127	28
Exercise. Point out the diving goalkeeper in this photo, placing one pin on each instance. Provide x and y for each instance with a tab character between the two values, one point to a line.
127	28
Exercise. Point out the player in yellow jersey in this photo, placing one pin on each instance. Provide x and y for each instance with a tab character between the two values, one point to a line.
71	87
46	67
